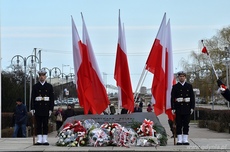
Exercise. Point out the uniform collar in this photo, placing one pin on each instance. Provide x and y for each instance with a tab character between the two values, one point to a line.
182	83
42	83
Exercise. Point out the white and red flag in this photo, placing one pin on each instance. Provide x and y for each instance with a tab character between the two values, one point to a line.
91	91
121	72
160	63
156	65
169	74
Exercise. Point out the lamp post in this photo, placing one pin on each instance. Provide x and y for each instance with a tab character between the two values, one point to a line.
72	77
105	81
196	90
219	73
16	63
64	65
62	78
56	72
227	63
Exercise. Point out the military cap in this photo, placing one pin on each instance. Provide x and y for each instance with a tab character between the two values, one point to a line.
181	73
42	71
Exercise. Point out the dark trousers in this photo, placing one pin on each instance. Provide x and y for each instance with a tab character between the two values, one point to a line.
182	124
42	125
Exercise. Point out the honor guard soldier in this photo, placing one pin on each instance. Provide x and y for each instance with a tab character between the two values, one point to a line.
42	104
182	103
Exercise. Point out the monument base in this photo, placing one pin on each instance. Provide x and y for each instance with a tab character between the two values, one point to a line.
126	120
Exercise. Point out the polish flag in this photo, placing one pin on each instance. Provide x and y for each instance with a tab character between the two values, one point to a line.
78	69
156	65
169	74
121	72
91	91
204	50
96	92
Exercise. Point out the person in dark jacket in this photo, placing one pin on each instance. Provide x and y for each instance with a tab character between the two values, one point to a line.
42	104
224	91
182	103
59	117
124	111
69	112
137	108
20	118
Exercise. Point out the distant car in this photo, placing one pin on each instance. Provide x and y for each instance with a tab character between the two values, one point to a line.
71	101
57	102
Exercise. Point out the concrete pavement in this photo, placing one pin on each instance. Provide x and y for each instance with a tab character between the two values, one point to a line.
201	139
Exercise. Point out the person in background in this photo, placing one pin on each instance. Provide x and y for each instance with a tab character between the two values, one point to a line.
183	104
59	117
69	112
149	108
112	109
124	111
42	104
137	108
20	118
141	104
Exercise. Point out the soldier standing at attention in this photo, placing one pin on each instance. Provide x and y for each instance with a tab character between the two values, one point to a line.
42	104
182	103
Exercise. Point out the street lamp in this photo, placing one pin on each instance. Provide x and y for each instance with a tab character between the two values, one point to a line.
17	61
218	73
105	81
227	63
56	72
72	77
193	76
64	65
62	78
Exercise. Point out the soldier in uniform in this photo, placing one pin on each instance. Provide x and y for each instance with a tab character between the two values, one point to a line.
182	103
42	104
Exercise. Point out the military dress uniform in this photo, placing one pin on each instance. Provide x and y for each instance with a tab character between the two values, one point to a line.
182	103
42	104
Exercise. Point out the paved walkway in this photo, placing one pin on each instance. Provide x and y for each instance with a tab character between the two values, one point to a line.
201	139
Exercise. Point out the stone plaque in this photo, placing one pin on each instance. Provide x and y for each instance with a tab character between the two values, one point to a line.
123	119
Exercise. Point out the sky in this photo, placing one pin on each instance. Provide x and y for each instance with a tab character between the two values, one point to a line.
46	26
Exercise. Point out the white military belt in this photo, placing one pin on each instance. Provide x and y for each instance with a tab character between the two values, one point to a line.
183	99
42	99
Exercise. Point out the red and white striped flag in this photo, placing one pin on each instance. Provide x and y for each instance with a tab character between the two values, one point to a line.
91	91
121	72
169	74
156	65
160	63
97	95
78	69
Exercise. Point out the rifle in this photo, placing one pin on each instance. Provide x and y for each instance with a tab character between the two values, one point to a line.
33	127
174	131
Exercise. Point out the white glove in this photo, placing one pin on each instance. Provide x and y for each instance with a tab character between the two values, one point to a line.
50	112
32	112
191	111
173	111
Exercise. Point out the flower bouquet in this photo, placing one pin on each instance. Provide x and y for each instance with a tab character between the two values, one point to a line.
98	138
72	135
124	137
110	128
147	135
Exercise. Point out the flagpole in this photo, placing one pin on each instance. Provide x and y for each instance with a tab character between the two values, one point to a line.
210	61
144	72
